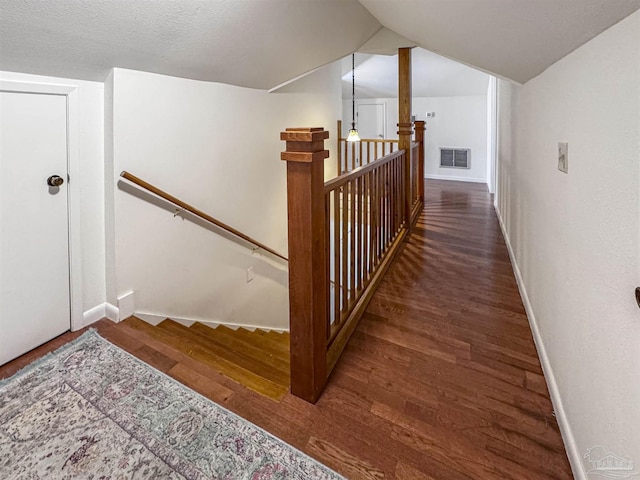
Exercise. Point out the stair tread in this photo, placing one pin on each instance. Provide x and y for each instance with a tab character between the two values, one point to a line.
261	347
222	350
250	347
205	356
273	334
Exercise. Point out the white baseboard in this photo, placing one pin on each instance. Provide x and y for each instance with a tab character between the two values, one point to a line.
103	310
112	312
575	458
93	314
126	305
155	319
434	176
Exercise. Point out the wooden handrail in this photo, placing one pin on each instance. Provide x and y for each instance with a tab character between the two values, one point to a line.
198	213
337	182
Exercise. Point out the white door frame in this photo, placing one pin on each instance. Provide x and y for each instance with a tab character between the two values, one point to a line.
73	185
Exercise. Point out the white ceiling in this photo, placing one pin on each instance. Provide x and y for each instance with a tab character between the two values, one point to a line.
264	43
432	76
252	43
515	39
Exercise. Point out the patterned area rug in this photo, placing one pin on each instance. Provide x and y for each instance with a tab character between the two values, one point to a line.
90	410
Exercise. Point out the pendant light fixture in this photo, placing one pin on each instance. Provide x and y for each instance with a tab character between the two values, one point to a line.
353	133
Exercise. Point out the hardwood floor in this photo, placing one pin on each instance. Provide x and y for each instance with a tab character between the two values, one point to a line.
441	379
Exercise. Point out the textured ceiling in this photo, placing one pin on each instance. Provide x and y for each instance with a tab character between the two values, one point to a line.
265	43
432	76
252	43
515	39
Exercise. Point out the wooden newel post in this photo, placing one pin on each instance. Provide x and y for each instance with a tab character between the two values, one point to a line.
405	127
420	128
305	156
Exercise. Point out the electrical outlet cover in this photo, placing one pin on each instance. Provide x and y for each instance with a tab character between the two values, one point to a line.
563	157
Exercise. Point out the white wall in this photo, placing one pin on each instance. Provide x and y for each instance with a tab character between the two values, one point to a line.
90	176
459	122
576	237
217	147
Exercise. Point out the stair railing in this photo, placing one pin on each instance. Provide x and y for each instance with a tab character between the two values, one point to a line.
198	213
343	235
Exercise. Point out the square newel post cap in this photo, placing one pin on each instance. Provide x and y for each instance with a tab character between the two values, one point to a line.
304	144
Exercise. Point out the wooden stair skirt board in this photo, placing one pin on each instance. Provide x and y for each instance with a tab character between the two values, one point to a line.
258	359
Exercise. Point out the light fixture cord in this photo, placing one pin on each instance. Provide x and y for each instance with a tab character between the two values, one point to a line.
353	91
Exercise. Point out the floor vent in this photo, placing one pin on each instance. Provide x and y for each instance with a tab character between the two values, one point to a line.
455	157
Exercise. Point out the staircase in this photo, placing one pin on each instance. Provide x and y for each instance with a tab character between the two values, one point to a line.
256	359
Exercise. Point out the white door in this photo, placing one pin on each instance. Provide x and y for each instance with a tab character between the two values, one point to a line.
34	243
371	120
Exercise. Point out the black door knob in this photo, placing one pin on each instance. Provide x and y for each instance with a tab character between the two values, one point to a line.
55	181
638	295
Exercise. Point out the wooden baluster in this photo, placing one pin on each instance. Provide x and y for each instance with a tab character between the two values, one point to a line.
337	285
380	212
343	250
396	191
354	160
389	201
360	149
420	128
385	186
356	225
389	189
352	241
367	222
399	197
383	210
345	161
375	214
412	177
339	151
327	210
380	173
305	156
363	220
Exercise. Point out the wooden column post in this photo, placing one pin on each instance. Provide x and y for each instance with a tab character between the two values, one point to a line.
305	156
420	128
405	130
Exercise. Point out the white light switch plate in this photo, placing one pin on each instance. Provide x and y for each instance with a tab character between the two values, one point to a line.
563	157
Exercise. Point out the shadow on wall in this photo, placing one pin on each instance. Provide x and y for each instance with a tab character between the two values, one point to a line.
270	266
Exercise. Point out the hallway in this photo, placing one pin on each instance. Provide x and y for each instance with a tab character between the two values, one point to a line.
441	379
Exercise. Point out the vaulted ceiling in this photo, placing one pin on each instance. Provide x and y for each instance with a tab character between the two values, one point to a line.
252	43
514	39
263	43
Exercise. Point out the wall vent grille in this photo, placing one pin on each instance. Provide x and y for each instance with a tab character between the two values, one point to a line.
455	157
